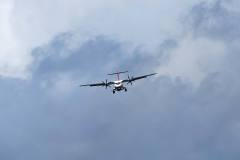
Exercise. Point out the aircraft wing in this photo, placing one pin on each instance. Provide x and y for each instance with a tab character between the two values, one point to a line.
129	80
103	84
93	85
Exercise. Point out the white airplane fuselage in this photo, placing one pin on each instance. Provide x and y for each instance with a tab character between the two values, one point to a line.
118	86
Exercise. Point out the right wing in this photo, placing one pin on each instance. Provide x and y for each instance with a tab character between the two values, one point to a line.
141	77
132	79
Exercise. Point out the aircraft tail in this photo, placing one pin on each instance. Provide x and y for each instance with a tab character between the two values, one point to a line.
117	73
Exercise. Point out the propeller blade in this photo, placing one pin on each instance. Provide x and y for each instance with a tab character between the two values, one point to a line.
106	84
129	80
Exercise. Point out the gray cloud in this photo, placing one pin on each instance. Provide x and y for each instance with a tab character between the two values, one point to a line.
215	20
138	22
164	119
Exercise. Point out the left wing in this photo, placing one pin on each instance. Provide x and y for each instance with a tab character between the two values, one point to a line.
93	85
130	80
103	84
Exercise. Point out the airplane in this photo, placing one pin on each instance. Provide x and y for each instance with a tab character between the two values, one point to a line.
118	85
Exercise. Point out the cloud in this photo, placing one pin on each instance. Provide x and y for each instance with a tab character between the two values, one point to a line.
11	64
93	59
216	21
35	127
193	59
29	24
165	119
48	117
211	30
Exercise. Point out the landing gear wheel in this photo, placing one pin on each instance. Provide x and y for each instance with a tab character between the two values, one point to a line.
125	89
113	92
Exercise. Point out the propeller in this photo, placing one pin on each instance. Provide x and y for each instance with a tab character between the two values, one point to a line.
130	80
106	84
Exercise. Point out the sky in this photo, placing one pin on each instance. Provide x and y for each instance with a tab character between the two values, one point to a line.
189	111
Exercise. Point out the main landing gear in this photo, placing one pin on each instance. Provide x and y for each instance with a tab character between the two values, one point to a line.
125	89
113	92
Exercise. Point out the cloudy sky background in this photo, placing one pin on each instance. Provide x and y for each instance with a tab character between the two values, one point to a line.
189	111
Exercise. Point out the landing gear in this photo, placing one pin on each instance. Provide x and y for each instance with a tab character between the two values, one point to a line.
113	92
125	89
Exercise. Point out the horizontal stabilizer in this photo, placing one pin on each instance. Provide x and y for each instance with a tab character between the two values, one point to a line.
117	73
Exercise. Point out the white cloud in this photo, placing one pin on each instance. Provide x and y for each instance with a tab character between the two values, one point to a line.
14	56
194	59
232	5
27	24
